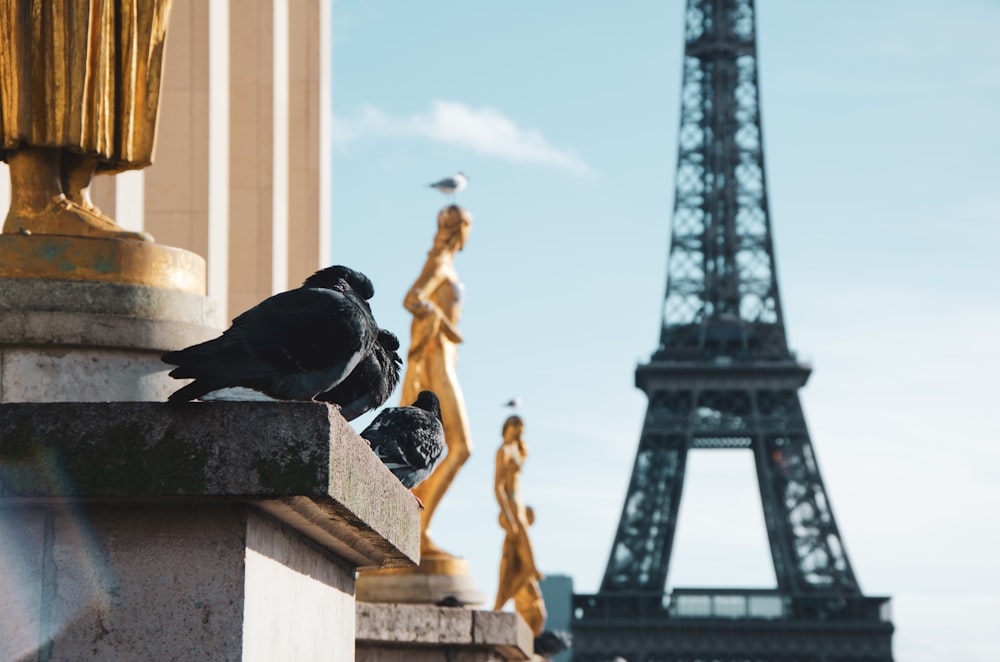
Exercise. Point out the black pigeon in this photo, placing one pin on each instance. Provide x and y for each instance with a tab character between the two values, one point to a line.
409	440
371	383
360	283
291	346
552	642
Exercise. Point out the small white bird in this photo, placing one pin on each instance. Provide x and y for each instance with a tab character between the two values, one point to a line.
451	185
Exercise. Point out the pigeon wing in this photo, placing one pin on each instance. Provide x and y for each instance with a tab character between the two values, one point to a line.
306	329
408	440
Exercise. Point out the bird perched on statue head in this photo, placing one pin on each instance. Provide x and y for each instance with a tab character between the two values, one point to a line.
514	402
409	440
371	383
451	185
291	346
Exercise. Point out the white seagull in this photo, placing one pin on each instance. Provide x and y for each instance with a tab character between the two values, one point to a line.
451	185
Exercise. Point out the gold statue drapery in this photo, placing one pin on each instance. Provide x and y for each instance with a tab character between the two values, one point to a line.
435	302
79	93
518	573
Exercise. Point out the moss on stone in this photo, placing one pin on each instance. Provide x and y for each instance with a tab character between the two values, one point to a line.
288	473
146	464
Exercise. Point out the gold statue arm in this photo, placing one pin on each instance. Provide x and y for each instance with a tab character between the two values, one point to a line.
418	301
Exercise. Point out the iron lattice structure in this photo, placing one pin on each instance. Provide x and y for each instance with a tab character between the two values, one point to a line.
723	377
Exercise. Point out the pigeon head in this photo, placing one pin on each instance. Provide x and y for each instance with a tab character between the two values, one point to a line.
428	401
331	278
388	340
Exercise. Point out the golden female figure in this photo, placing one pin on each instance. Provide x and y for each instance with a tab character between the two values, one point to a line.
518	574
79	93
435	302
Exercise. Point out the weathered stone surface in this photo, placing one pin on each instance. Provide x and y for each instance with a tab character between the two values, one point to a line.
127	583
299	604
391	654
81	341
59	329
426	632
494	628
43	294
35	311
301	462
79	374
425	624
121	581
22	535
418	588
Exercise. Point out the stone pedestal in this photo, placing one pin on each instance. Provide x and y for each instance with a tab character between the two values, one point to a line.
428	584
219	530
425	633
86	320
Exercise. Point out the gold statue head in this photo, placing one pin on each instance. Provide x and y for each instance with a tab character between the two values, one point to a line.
454	224
512	428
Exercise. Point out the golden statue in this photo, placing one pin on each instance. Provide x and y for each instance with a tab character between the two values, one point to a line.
518	574
435	302
79	93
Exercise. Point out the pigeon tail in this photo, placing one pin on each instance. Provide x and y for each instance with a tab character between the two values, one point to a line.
194	390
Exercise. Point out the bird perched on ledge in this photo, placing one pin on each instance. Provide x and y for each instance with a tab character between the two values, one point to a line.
371	383
451	185
292	346
409	440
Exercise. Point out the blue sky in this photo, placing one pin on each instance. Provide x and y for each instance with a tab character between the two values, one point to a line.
881	147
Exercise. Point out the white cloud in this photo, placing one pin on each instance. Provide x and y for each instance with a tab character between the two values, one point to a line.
482	130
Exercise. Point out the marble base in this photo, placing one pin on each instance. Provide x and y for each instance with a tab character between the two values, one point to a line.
81	341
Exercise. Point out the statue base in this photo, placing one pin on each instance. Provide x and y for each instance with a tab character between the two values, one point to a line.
438	576
404	633
67	338
101	260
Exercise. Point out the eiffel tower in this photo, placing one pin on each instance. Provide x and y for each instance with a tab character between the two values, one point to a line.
723	377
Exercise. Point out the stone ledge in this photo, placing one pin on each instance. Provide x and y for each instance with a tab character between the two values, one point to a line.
38	311
299	461
427	626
